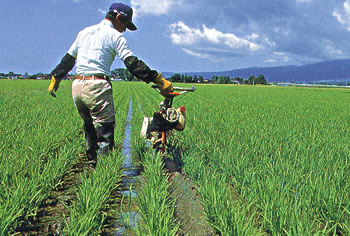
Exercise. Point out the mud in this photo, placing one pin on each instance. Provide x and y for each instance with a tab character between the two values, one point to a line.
189	211
50	217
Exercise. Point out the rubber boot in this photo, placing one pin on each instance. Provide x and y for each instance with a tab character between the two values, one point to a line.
91	142
105	137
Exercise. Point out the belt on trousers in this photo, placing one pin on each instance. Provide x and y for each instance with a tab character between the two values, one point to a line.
93	77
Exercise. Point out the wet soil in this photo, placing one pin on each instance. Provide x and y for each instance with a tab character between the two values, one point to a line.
51	215
124	220
188	207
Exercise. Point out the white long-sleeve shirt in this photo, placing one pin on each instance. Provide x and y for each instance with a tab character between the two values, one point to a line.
96	47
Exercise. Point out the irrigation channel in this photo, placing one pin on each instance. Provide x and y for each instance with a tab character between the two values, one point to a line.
128	218
51	215
189	211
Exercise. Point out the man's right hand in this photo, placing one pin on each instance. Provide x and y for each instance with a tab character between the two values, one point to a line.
53	86
164	85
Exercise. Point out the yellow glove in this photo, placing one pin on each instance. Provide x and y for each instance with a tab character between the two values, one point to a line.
164	85
53	86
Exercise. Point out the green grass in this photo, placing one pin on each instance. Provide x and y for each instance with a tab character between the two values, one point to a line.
267	160
35	152
85	215
155	207
41	139
284	150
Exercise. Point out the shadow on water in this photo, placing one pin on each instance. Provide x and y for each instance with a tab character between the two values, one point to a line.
173	159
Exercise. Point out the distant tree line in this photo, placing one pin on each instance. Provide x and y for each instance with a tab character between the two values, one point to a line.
12	75
252	80
124	74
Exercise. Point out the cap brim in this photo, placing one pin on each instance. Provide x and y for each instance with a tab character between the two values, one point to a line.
131	26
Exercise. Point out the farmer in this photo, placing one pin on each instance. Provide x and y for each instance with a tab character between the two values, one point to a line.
93	53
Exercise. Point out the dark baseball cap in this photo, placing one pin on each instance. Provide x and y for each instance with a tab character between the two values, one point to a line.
126	12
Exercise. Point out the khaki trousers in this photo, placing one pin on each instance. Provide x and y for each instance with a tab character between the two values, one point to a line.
94	101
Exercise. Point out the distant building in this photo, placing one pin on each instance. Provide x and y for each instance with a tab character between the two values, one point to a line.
14	76
236	82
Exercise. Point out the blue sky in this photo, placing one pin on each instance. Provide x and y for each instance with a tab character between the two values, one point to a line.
181	35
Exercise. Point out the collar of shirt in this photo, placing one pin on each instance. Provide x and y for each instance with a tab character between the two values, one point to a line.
107	22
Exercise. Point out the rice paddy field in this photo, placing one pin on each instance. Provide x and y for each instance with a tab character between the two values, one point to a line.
260	160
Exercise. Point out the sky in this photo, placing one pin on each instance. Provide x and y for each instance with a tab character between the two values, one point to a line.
181	35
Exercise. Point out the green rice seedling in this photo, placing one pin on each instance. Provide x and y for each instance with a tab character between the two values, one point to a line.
283	149
41	139
35	151
128	218
227	214
278	154
156	209
85	216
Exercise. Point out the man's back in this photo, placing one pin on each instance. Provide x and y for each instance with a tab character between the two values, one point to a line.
96	47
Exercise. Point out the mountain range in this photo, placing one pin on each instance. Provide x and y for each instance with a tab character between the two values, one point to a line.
333	71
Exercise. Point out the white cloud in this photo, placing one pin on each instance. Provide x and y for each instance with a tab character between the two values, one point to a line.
303	1
153	7
196	54
103	12
182	34
343	15
253	36
332	50
209	56
347	7
339	17
279	56
185	35
270	60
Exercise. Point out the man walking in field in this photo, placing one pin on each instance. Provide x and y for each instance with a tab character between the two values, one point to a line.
93	52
